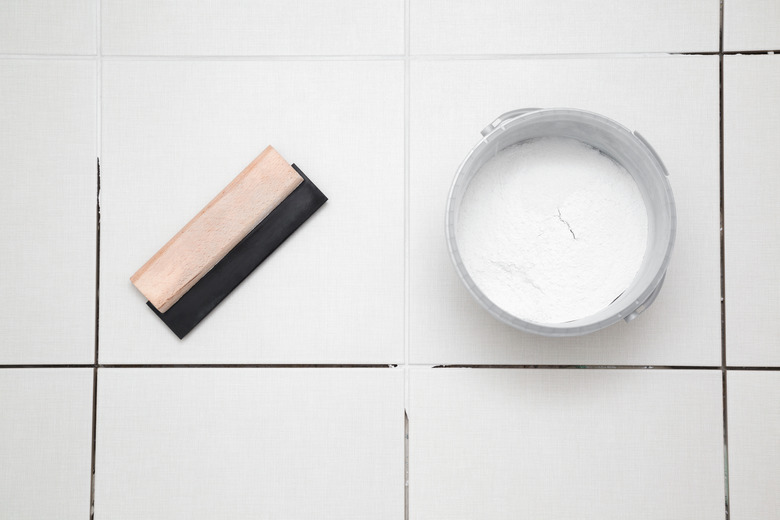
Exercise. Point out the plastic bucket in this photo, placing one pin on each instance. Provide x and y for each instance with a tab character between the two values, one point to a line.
625	147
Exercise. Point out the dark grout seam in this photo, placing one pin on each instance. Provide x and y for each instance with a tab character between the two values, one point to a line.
97	341
726	493
727	53
747	53
756	369
94	443
723	361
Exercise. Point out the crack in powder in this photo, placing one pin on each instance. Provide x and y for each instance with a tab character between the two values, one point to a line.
567	224
515	230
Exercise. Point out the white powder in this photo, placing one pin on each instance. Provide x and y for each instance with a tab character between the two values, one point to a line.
552	230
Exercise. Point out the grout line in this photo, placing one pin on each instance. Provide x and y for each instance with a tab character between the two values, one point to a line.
722	194
406	465
379	57
754	369
582	367
94	443
749	53
77	57
407	227
730	53
407	27
723	361
726	494
98	149
95	363
407	191
249	365
414	366
569	55
99	84
97	261
11	367
259	57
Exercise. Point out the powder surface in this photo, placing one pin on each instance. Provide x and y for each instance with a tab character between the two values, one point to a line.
552	230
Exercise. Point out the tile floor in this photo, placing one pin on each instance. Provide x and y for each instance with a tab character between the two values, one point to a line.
351	376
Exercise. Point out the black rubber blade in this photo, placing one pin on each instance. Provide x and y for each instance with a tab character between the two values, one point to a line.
258	245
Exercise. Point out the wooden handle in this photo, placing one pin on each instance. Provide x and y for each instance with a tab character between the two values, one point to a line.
213	232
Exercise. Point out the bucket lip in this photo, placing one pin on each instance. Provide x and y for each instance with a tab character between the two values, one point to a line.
629	310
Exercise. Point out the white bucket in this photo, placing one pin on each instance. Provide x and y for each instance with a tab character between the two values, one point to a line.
625	147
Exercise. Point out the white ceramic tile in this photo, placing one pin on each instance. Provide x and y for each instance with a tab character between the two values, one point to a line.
47	233
562	26
752	217
754	457
238	27
751	25
46	27
606	444
196	443
45	443
175	133
672	101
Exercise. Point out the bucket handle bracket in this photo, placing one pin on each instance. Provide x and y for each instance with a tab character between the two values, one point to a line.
650	299
512	114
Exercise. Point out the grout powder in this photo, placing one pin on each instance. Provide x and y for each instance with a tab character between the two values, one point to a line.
552	230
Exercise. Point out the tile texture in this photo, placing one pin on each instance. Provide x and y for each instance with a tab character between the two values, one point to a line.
451	101
754	458
607	444
250	443
46	27
752	217
45	443
238	27
751	25
562	26
47	234
175	133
